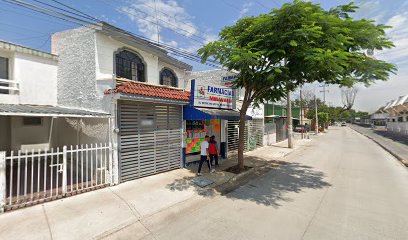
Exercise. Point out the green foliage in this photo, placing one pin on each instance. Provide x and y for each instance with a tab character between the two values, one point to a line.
299	43
335	114
323	118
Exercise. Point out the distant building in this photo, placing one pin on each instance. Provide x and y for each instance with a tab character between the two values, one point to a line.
396	114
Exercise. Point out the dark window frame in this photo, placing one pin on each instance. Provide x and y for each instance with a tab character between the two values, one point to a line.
130	65
6	74
32	121
167	72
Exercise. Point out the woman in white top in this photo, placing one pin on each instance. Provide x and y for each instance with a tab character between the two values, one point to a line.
204	156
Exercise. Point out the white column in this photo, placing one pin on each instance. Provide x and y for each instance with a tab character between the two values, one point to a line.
2	181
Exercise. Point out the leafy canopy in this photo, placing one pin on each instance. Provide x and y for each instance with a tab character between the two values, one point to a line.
300	43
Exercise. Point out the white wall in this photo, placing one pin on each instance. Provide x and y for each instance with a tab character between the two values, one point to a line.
38	79
105	50
398	127
76	131
21	134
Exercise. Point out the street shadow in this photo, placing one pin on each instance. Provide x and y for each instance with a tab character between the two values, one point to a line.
271	182
274	187
393	136
187	183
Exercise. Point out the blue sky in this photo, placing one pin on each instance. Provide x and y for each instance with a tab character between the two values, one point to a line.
201	20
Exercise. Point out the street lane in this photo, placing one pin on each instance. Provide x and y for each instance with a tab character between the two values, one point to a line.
341	186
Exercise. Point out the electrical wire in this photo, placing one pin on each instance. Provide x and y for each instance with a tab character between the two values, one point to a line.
169	23
81	22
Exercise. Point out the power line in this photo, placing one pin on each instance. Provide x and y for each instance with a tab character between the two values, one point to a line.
185	23
47	12
37	17
92	25
169	23
261	4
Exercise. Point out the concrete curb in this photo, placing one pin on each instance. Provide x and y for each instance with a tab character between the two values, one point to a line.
400	159
233	183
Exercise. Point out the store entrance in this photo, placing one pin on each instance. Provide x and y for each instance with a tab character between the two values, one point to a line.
195	133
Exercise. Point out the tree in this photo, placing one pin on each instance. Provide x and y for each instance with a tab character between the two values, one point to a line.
323	119
348	96
299	43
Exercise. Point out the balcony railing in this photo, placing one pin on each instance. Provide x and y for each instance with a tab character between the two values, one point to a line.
9	86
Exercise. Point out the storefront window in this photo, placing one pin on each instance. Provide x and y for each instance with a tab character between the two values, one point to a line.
196	131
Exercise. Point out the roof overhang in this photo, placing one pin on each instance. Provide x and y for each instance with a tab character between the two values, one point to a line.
47	111
142	98
22	49
197	113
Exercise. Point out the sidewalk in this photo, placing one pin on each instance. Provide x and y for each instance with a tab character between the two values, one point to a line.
398	149
103	213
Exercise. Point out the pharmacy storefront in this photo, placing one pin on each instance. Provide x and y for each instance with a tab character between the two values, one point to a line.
211	107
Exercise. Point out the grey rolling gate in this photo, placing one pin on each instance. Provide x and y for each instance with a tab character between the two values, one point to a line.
232	131
150	139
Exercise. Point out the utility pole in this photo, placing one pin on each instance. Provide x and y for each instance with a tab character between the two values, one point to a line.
157	23
324	92
301	112
289	119
317	119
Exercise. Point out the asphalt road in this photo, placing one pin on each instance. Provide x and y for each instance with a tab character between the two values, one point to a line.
342	186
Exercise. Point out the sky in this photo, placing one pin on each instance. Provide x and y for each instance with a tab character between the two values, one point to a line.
188	24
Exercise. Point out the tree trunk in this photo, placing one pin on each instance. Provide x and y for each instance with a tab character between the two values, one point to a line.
241	134
289	119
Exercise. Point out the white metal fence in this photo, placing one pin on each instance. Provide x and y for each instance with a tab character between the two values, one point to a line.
398	127
35	176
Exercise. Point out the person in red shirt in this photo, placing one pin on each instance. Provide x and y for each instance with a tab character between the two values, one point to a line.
213	151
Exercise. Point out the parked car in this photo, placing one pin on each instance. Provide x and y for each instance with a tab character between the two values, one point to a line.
300	128
343	124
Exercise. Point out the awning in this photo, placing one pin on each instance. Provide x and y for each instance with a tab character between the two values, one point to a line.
46	111
272	116
197	113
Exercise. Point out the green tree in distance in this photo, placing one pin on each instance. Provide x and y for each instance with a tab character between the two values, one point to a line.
299	43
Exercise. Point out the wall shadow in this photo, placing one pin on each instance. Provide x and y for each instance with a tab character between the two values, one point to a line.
393	136
268	185
272	188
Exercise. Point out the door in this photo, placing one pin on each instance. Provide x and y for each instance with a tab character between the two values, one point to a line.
150	139
232	137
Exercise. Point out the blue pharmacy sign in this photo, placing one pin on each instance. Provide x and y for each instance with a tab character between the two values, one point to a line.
211	96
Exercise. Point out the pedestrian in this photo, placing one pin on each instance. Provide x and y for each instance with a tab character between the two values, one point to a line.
213	151
204	156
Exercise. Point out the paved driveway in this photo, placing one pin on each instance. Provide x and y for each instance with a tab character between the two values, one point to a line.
342	186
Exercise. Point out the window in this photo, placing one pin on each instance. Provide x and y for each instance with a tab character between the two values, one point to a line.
32	121
130	66
400	119
4	74
168	78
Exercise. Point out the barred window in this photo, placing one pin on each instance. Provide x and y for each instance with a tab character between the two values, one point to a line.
168	78
130	66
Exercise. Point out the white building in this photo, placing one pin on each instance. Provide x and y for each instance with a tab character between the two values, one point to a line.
254	131
397	115
35	127
107	69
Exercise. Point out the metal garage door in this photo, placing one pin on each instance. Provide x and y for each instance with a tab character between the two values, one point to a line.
150	139
258	131
232	141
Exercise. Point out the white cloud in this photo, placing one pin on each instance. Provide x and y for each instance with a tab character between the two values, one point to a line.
245	9
399	35
170	15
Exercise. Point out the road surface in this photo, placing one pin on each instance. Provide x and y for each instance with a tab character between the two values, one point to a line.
342	186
